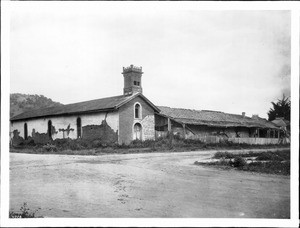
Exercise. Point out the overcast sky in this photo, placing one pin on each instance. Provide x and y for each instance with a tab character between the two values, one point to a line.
230	61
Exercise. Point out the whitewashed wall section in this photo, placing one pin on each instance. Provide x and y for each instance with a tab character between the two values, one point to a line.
41	125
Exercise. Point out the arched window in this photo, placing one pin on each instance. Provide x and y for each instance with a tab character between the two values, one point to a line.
78	127
50	128
137	111
25	131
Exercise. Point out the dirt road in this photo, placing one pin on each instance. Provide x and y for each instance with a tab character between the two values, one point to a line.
143	185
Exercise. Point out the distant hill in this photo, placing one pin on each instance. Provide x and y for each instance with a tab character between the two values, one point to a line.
25	102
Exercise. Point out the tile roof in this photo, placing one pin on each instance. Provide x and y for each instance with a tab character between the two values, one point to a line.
213	118
103	104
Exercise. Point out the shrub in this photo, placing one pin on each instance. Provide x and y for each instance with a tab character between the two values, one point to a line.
149	143
83	143
136	143
29	142
50	147
24	213
74	145
162	143
239	162
96	144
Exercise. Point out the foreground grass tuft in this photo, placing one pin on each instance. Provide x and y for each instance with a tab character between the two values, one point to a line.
24	212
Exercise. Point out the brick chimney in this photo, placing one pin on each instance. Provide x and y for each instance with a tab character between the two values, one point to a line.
243	114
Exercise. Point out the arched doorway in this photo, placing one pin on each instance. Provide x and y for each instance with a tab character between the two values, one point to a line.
78	127
25	131
137	131
50	129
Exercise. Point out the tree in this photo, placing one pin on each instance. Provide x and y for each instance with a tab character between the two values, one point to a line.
280	109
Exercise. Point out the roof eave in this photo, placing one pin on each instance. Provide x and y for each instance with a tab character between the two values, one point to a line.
215	125
63	114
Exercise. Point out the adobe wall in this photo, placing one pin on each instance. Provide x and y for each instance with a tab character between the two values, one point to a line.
65	127
230	131
127	121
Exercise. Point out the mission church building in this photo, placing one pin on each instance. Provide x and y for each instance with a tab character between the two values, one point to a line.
113	119
131	116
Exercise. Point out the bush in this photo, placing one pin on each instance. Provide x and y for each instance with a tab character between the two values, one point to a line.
163	143
24	213
50	147
239	162
29	142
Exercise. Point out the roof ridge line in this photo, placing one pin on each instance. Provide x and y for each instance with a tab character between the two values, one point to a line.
94	100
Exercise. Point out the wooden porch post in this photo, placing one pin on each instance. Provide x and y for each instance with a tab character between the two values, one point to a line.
257	132
184	131
169	125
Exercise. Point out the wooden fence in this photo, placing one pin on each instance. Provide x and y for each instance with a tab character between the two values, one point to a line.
207	139
218	139
257	141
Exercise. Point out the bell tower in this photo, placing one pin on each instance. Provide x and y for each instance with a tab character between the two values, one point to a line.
132	80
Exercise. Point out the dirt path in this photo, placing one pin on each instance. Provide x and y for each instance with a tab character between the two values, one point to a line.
143	185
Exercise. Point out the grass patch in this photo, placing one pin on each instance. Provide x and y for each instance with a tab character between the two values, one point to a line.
263	162
271	167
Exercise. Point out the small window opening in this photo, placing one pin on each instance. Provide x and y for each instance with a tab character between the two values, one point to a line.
25	131
137	111
78	127
136	83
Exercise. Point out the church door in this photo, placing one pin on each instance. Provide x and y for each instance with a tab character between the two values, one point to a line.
137	134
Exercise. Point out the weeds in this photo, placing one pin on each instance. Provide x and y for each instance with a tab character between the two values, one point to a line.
85	147
24	212
225	155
